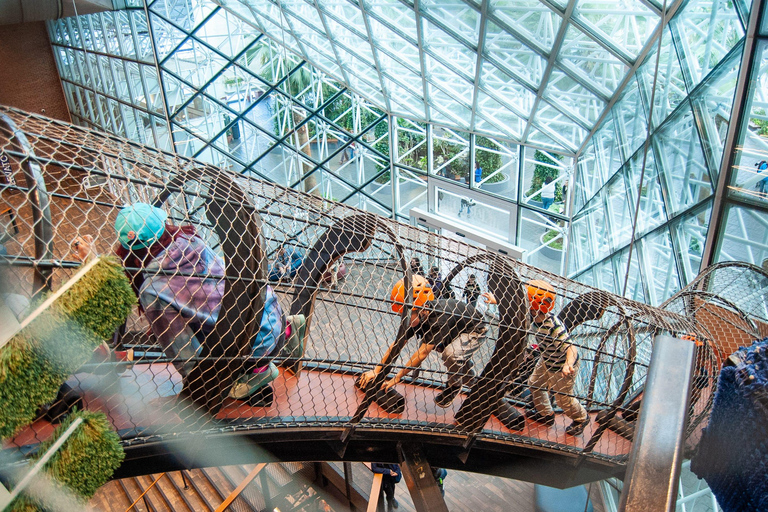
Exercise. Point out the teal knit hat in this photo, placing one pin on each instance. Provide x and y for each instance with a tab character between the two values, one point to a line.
140	225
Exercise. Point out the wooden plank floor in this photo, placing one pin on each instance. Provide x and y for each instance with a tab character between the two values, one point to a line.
147	397
207	489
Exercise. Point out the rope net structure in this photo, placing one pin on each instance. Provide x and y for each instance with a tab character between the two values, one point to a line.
284	302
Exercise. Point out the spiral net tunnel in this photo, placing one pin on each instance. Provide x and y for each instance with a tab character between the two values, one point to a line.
63	183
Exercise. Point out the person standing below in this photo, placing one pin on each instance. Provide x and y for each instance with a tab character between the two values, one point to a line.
455	329
548	193
287	263
468	204
558	364
435	281
471	291
762	185
440	474
416	267
391	476
478	174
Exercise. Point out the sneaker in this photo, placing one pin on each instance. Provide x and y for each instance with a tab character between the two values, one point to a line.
392	505
447	396
249	383
577	427
295	342
536	416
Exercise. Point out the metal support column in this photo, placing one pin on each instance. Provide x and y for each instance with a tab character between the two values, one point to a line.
653	472
421	482
749	65
348	485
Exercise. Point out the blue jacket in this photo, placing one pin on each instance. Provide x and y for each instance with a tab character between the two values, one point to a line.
384	469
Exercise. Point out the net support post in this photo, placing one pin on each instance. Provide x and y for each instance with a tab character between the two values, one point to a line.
653	471
421	483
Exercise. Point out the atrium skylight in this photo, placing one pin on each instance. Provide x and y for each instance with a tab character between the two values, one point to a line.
536	71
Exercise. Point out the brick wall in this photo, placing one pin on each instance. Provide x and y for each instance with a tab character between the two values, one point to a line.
28	76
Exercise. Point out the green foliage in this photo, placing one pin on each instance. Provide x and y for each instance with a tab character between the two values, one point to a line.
35	363
542	172
101	300
489	161
762	124
235	80
60	340
549	235
694	247
84	462
445	151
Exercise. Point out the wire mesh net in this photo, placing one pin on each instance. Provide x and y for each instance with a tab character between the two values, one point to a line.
261	307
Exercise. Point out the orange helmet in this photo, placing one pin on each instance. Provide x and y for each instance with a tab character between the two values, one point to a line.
541	296
421	293
692	337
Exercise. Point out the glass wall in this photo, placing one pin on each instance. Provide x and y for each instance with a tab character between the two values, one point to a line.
194	78
743	234
651	187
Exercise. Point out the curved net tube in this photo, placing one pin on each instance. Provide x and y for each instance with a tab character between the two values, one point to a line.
67	182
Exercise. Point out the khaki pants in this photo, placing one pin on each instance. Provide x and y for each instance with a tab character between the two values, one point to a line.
542	380
457	357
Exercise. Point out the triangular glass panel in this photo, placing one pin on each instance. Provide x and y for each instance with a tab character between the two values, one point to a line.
301	11
267	60
596	64
537	137
681	162
341	35
516	58
460	114
530	18
507	90
345	13
185	15
457	16
396	15
194	63
652	210
447	80
559	126
394	67
624	24
235	88
670	84
707	30
488	128
631	119
225	32
452	52
608	157
392	46
490	108
570	95
176	93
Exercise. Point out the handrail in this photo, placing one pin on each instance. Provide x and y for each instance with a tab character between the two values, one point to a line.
240	488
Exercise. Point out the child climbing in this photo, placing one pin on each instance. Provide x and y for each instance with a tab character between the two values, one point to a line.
180	283
451	327
558	363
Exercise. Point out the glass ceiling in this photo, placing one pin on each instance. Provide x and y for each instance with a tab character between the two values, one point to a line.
535	71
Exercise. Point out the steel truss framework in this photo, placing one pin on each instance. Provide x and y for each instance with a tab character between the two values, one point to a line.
191	77
697	85
574	78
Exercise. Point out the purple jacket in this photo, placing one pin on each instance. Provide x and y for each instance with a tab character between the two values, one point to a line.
181	296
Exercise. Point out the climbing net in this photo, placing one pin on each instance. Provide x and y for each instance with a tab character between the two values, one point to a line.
261	307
